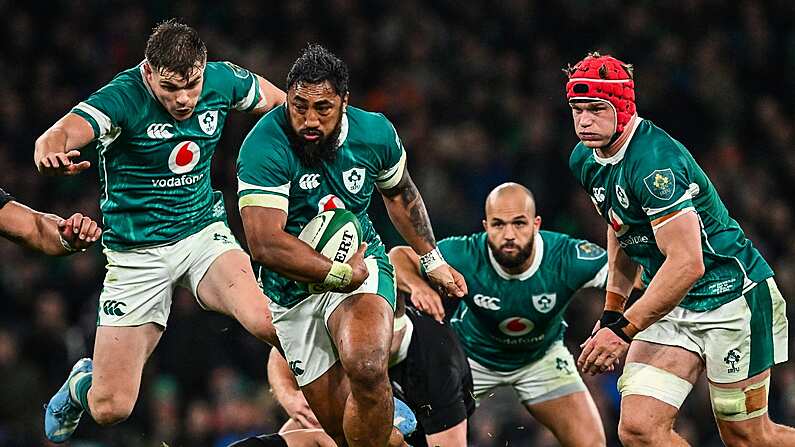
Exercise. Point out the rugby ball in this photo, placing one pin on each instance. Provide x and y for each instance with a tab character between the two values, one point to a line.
336	234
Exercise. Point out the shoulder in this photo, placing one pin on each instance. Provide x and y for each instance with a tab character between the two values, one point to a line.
268	137
579	155
369	127
455	245
128	84
651	146
225	70
571	248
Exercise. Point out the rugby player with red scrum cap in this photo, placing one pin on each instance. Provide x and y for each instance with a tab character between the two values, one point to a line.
710	302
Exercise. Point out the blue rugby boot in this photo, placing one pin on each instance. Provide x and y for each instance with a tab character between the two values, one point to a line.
62	413
404	420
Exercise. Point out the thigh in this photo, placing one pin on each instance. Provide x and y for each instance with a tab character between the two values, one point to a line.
455	436
137	289
304	338
119	357
749	398
655	382
214	262
552	376
436	380
484	380
747	336
361	329
327	396
229	286
582	424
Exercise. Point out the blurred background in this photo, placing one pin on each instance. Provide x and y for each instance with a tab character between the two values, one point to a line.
476	92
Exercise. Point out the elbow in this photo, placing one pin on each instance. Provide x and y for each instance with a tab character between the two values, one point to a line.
261	254
395	253
694	268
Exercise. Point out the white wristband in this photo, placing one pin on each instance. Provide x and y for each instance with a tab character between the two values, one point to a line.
432	260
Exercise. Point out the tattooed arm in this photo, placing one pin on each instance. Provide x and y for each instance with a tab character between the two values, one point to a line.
407	212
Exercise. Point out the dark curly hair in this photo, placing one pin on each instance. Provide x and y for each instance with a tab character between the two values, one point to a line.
176	47
317	64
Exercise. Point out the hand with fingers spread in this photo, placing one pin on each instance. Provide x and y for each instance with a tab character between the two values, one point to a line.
360	272
62	163
78	232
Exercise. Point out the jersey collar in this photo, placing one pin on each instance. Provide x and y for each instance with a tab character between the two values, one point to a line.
143	79
618	156
538	253
343	130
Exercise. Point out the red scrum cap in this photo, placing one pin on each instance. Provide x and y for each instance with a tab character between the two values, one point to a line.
607	79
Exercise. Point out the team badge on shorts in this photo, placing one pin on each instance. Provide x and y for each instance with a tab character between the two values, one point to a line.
208	121
354	179
731	359
544	302
660	183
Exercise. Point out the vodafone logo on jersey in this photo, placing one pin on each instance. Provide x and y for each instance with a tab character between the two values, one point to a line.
184	157
329	202
516	326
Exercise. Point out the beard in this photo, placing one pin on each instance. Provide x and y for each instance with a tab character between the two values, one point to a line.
511	261
314	153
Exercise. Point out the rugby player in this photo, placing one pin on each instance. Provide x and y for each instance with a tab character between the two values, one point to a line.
155	127
710	302
428	370
314	153
46	233
521	280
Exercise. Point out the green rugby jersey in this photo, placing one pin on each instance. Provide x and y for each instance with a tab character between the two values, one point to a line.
508	321
270	174
154	170
651	176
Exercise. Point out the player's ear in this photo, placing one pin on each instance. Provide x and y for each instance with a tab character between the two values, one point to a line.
485	225
345	102
537	223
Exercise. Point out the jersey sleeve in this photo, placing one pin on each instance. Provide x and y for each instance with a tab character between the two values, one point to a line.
393	160
662	184
4	198
245	93
587	265
106	110
263	172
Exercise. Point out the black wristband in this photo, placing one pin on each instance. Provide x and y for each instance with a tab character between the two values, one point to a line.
618	328
609	316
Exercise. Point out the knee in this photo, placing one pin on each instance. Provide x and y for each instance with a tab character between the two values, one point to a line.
733	436
633	431
367	372
109	409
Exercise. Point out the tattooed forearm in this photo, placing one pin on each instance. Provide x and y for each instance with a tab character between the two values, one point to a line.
407	211
418	215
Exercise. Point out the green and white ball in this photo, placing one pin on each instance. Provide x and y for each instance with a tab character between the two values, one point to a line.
336	234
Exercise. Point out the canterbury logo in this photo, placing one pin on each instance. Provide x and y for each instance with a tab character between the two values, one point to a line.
112	308
295	367
309	181
159	131
486	302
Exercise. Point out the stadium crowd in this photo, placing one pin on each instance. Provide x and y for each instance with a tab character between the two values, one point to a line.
477	95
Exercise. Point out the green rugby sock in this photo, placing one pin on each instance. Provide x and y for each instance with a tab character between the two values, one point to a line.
78	389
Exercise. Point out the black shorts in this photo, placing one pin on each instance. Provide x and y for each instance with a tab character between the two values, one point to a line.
274	440
434	380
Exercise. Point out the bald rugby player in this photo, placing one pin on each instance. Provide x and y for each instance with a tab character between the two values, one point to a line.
521	280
